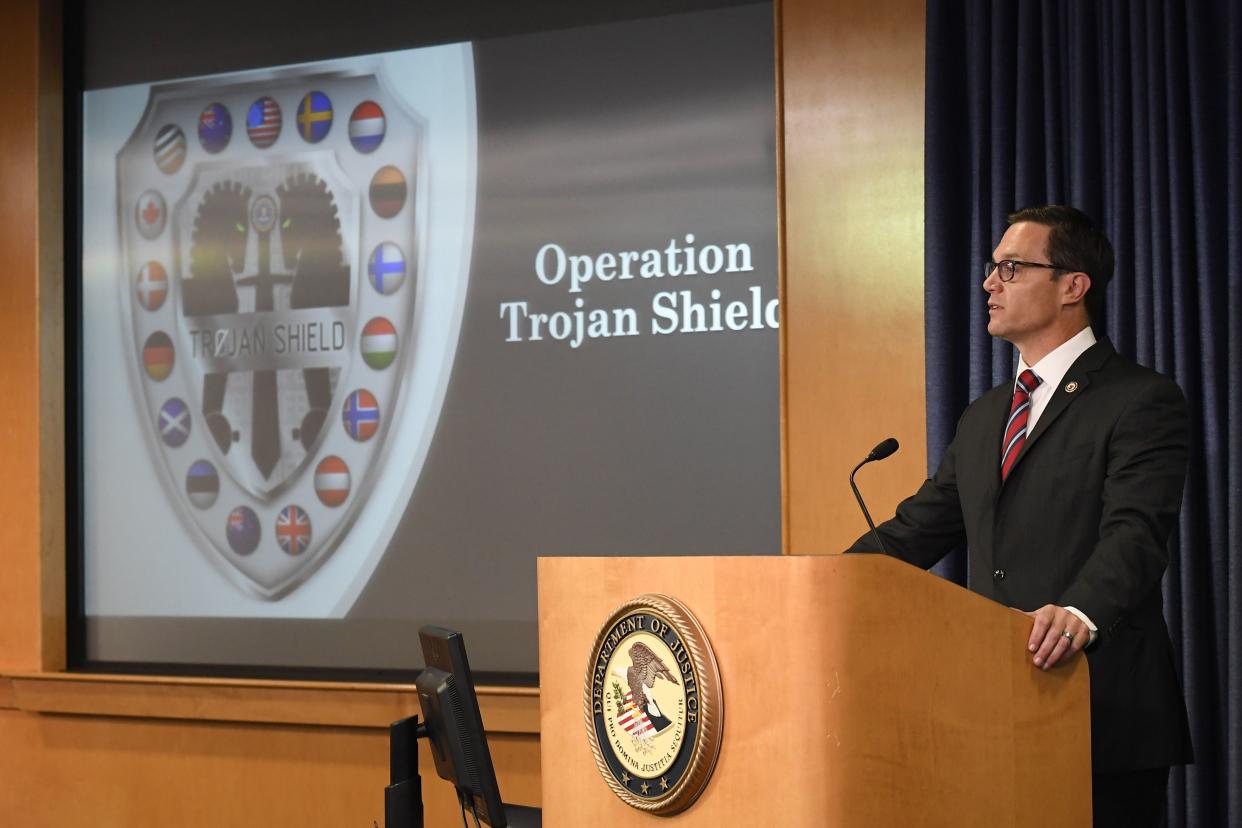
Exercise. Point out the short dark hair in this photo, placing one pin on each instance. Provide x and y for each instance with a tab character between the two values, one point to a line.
1075	242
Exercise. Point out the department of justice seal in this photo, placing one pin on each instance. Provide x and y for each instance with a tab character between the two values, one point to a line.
653	705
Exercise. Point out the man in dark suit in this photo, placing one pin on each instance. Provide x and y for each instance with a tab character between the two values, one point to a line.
1065	484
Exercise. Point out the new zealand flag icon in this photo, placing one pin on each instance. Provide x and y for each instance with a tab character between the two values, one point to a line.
243	530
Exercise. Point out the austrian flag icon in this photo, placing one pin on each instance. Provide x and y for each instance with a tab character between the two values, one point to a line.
332	481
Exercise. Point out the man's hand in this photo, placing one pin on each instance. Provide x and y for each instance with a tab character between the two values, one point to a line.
1050	639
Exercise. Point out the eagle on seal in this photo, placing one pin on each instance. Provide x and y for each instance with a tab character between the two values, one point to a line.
647	667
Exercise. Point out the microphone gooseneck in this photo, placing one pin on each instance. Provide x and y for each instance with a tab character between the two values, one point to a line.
884	449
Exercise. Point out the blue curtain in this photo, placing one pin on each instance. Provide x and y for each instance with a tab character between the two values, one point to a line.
1131	111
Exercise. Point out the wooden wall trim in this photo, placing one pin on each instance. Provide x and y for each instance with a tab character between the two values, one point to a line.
781	268
329	704
20	623
8	699
50	305
32	594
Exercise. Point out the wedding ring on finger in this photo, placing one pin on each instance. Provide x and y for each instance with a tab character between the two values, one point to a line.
1068	636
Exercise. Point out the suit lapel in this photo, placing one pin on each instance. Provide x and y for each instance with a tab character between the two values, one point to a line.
1077	378
998	416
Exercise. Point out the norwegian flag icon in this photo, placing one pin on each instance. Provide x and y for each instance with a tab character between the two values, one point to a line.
293	530
361	415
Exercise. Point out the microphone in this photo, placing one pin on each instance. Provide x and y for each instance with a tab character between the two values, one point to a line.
884	449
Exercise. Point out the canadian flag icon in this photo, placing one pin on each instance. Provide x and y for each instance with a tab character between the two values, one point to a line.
150	214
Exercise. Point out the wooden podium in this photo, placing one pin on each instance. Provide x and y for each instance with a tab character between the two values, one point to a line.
858	691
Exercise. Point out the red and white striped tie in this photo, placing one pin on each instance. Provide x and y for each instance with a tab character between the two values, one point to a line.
1019	413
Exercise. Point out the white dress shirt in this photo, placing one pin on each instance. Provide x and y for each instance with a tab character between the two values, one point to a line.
1051	370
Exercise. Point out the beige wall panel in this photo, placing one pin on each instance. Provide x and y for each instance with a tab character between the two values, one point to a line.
853	254
131	773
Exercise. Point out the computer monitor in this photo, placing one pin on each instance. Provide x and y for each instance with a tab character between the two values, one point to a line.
454	726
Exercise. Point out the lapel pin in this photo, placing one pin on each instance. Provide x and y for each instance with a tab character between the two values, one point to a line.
1071	387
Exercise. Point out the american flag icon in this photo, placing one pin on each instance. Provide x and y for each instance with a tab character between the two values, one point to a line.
263	122
634	720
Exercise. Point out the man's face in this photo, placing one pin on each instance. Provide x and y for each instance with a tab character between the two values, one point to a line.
1028	307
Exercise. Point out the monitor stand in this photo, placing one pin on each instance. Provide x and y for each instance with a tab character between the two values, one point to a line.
403	797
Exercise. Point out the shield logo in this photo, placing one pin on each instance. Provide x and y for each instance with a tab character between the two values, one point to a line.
270	291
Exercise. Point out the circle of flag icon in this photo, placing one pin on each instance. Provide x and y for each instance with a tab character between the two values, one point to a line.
174	423
293	530
149	213
215	127
202	484
314	117
379	343
151	286
361	415
386	270
332	481
387	191
366	126
242	530
169	148
158	356
263	122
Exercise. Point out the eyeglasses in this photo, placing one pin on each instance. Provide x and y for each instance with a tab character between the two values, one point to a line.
1009	267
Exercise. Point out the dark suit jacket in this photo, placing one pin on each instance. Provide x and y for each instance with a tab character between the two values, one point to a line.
1083	520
